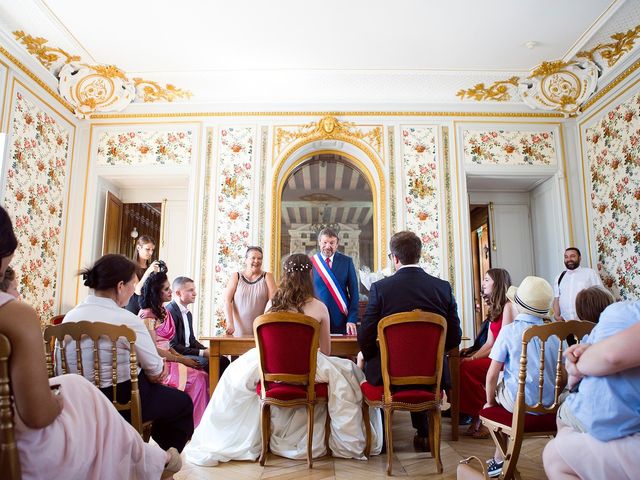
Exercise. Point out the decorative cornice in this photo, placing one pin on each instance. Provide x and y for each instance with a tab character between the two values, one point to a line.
611	85
123	116
90	88
565	87
36	79
497	91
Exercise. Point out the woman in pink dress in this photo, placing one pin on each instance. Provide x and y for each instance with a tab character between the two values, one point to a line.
64	426
184	373
475	364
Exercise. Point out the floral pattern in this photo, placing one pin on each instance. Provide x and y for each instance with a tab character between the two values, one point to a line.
613	154
138	147
233	209
501	147
422	197
34	198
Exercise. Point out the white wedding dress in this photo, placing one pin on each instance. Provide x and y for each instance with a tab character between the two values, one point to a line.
230	426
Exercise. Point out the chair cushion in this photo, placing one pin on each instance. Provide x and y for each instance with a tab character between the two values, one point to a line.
375	393
287	391
532	423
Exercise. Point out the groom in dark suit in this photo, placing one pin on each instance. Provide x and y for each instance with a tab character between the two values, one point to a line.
336	283
410	288
184	341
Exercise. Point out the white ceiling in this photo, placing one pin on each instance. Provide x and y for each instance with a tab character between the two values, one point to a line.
288	51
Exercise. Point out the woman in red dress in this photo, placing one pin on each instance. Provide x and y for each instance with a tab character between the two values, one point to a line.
475	363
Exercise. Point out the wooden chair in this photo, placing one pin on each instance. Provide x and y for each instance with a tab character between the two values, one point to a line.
9	460
411	354
56	320
86	335
453	357
288	346
508	430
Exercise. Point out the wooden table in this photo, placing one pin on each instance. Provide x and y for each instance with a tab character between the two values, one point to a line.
341	345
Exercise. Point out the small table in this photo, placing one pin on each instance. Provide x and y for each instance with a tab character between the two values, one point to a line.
341	345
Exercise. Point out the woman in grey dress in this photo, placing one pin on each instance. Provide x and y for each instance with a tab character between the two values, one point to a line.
247	294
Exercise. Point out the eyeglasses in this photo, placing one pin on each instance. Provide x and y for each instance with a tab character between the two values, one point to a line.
390	256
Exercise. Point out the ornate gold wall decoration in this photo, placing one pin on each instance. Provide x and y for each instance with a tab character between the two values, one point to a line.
95	88
499	91
149	91
614	51
560	86
51	58
329	127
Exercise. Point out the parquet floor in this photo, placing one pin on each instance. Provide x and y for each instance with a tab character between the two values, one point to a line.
406	464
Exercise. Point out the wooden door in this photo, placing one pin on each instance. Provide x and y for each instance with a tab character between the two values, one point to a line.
112	224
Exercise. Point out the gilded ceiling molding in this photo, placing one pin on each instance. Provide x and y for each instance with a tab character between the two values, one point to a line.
614	51
328	127
95	88
499	91
564	87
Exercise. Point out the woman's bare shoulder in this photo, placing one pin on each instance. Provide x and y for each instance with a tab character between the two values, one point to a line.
315	308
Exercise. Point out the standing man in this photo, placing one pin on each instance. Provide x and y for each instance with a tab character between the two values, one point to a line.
336	283
569	283
184	341
410	288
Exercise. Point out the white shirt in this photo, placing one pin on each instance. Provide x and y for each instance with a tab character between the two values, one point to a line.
99	309
572	282
185	321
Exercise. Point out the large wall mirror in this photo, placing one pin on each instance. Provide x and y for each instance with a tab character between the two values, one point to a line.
327	190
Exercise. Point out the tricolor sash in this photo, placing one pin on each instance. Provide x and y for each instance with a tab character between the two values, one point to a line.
330	281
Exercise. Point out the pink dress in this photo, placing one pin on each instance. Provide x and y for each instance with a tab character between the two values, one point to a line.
192	381
89	439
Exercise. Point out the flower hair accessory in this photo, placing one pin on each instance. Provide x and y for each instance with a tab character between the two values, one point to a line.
297	267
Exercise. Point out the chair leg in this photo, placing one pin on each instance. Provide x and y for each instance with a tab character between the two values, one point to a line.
367	428
388	415
435	427
310	412
265	428
327	430
509	470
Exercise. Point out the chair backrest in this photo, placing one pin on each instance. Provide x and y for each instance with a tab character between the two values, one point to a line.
9	460
56	320
287	344
77	332
411	350
541	334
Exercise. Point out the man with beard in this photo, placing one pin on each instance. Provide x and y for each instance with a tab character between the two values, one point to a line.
336	283
569	283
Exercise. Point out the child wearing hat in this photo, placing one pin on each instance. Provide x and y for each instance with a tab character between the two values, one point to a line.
533	299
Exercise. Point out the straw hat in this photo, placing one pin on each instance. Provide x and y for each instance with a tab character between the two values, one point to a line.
534	296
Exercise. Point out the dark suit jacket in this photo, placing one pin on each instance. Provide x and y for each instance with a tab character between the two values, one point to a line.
410	288
345	272
177	342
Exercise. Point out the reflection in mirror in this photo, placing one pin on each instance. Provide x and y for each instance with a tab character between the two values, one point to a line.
327	191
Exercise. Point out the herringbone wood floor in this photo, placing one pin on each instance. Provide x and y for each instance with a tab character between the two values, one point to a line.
406	464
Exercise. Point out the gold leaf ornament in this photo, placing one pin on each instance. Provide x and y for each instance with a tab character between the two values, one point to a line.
499	91
149	91
51	58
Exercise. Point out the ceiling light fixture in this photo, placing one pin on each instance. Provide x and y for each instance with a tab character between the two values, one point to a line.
531	44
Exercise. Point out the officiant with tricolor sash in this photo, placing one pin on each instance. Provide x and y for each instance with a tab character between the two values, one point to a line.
336	283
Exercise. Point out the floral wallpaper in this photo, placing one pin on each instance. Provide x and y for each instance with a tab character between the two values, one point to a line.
235	171
421	192
36	173
613	155
142	147
501	147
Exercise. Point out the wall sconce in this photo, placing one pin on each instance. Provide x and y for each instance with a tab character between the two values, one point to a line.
134	234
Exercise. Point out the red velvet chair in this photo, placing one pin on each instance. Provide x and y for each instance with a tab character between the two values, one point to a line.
411	354
509	429
288	346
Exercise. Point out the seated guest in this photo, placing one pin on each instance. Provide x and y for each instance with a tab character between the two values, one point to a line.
9	284
410	288
230	427
599	422
183	373
60	422
184	341
533	299
112	280
591	302
474	364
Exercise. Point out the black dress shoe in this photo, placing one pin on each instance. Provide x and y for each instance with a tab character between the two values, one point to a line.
421	444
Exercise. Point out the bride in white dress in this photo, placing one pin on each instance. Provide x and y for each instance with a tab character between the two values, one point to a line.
230	426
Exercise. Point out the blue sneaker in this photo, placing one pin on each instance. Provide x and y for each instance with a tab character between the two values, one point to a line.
494	469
